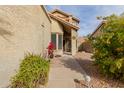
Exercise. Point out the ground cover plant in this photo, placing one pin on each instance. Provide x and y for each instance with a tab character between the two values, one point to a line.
33	71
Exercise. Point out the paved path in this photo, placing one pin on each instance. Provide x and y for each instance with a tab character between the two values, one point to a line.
63	71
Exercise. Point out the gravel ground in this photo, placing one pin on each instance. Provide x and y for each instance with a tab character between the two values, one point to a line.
97	79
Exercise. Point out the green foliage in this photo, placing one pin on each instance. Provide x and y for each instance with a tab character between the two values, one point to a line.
32	72
109	47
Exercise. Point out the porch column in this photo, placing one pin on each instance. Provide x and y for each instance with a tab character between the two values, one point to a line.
73	41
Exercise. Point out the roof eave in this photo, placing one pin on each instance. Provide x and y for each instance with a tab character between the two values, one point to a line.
60	20
46	12
98	27
65	14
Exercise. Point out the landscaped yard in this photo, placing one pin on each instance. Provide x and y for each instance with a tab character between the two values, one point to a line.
97	79
33	72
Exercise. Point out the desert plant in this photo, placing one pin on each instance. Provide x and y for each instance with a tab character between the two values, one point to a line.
109	47
33	71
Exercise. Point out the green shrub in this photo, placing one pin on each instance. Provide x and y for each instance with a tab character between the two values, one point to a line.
32	72
109	48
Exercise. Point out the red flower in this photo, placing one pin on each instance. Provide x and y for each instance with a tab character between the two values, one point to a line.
50	46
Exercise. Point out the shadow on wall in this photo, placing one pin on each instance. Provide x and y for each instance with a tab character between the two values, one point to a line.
3	31
4	21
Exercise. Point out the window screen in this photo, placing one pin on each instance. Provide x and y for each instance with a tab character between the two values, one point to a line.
53	39
59	41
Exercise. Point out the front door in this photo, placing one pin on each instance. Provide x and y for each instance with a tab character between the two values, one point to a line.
67	45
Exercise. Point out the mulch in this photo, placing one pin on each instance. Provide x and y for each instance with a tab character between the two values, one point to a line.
98	80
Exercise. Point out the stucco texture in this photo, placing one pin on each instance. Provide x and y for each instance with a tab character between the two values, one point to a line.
22	29
58	29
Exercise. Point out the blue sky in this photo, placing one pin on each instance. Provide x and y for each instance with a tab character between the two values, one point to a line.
87	14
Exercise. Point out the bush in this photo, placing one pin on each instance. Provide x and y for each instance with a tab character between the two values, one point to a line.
87	47
109	48
32	72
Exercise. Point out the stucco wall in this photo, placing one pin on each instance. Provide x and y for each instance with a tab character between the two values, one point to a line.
21	31
73	41
58	29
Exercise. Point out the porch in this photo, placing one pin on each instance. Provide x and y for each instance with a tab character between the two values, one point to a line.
64	32
65	42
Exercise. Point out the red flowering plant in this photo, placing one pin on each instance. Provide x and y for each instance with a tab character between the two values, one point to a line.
50	49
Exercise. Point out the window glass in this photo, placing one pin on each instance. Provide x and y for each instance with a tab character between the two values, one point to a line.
59	41
53	39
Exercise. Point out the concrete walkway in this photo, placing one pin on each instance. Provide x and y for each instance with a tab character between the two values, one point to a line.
63	71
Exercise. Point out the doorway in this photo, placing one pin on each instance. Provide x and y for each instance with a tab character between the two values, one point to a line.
67	42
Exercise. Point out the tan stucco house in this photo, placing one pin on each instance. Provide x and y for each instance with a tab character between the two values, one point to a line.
26	29
64	32
22	29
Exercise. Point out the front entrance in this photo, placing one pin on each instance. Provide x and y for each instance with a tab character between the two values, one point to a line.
62	42
67	42
67	45
57	39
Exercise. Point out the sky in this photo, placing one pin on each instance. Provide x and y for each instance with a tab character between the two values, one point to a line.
87	14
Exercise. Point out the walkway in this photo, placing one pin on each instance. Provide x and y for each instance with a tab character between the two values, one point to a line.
63	71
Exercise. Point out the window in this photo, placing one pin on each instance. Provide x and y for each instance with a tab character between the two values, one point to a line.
53	39
59	41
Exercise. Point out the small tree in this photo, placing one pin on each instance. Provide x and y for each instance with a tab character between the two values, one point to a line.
109	47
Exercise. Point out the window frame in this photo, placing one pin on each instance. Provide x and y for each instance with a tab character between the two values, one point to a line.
60	46
55	43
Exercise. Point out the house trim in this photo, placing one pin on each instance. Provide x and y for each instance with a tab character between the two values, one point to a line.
43	7
64	22
65	14
98	27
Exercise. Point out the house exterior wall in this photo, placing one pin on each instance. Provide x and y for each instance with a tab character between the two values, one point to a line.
98	30
58	29
22	29
97	33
